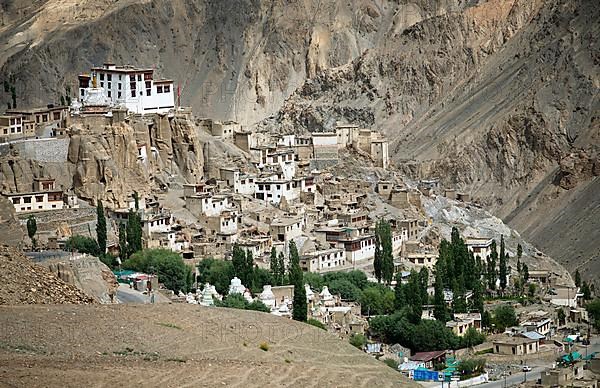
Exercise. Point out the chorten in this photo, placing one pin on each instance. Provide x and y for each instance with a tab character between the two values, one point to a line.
207	295
236	286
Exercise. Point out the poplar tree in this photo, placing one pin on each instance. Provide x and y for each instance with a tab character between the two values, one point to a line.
238	260
274	267
281	268
101	228
491	268
32	229
300	310
502	266
134	232
440	310
123	243
387	259
377	262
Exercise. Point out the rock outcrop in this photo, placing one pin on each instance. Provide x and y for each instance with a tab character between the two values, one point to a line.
26	283
113	161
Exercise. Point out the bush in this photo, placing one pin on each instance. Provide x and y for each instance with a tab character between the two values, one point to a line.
82	244
316	323
345	288
504	316
472	366
472	338
237	301
377	300
391	363
168	265
264	346
356	277
358	340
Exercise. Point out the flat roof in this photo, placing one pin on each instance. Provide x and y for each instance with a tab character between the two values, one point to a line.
123	69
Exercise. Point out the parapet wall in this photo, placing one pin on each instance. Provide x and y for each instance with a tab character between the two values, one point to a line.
41	150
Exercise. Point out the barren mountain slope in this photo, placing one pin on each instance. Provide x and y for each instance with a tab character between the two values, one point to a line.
234	59
497	100
175	346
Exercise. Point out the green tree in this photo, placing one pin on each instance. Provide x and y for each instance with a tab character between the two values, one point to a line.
585	290
440	310
237	301
531	290
504	316
315	281
300	309
134	232
345	289
249	270
358	340
577	278
82	244
238	259
387	258
123	251
378	260
472	338
216	272
491	268
32	229
561	316
315	323
502	266
274	267
168	266
525	272
376	300
13	94
356	277
101	227
282	269
593	309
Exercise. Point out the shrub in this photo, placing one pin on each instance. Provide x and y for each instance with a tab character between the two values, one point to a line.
358	340
264	346
316	323
168	265
82	244
391	363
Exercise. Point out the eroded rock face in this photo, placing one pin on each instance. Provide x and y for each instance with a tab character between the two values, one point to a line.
111	162
10	228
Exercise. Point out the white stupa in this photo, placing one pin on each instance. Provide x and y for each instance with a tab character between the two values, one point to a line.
248	296
236	286
207	295
95	97
283	310
267	297
326	297
310	295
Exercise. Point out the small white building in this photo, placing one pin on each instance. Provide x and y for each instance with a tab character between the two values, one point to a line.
323	260
133	88
208	205
480	246
286	228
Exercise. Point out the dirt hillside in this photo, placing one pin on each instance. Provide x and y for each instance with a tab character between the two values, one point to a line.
22	282
176	346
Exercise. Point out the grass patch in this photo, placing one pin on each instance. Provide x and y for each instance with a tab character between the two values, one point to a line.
391	363
171	325
485	351
316	323
146	356
264	346
288	361
21	348
245	344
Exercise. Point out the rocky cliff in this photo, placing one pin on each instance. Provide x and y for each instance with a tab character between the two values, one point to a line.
113	161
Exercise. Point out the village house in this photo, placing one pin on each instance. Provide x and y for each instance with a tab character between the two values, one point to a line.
323	260
286	228
133	88
480	246
541	326
41	122
565	296
412	227
190	189
224	130
44	196
240	183
206	204
463	321
540	276
430	359
515	346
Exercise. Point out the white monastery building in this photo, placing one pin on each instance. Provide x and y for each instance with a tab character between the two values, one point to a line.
129	87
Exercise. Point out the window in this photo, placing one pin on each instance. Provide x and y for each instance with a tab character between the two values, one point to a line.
56	115
82	94
120	76
6	131
109	77
159	89
133	93
39	198
148	84
132	86
101	84
27	199
132	77
139	77
119	85
110	85
167	88
16	200
118	94
109	94
101	77
148	92
45	118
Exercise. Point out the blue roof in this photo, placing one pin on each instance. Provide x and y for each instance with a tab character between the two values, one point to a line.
534	335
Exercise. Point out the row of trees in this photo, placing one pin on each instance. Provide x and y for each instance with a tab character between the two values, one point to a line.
166	264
